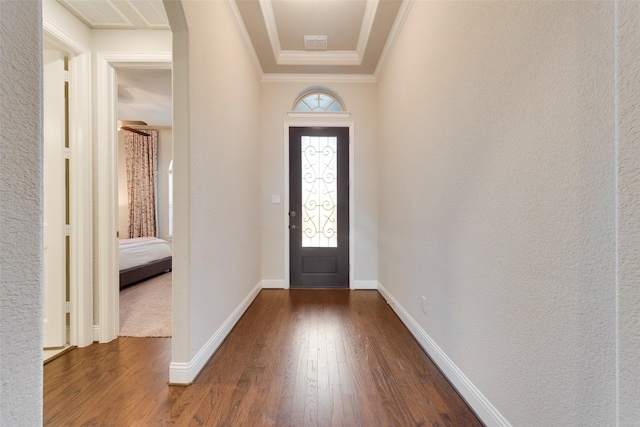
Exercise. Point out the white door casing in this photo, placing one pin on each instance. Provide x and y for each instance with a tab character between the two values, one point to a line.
54	290
107	176
80	182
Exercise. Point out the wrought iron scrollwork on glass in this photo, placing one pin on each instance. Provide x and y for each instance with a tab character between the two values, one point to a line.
319	191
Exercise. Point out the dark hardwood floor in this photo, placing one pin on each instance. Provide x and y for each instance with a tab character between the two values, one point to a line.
296	358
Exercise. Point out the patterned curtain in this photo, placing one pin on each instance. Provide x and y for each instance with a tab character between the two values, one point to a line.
142	166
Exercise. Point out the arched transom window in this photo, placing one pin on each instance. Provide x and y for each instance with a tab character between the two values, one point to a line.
318	100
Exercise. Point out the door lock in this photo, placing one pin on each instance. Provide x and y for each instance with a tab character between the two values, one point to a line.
292	214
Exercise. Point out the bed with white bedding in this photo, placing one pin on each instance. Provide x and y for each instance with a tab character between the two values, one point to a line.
142	258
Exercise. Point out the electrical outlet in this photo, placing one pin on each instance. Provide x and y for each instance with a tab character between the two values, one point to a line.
424	304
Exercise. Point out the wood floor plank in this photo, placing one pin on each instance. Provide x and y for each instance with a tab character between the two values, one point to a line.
295	358
324	392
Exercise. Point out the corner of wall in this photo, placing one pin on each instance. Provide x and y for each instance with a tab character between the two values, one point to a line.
186	373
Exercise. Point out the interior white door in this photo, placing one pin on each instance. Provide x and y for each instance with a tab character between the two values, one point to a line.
54	200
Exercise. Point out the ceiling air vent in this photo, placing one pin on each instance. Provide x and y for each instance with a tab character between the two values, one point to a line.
315	42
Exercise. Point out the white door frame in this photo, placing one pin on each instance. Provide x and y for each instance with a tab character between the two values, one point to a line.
81	242
107	176
323	122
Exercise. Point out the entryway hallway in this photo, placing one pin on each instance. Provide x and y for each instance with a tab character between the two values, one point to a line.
296	357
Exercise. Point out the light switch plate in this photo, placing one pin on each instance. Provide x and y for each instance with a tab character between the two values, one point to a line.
275	199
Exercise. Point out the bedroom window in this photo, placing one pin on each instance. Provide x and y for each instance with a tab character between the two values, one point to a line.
318	99
170	185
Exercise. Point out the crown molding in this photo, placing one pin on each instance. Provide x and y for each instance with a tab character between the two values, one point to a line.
272	29
59	37
244	35
318	78
393	36
319	57
148	60
367	25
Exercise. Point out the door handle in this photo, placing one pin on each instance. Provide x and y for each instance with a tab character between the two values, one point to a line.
293	227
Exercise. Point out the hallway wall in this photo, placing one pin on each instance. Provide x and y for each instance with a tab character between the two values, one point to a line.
496	199
21	213
628	212
216	177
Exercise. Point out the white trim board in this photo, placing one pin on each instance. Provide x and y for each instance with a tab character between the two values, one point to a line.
317	78
186	373
80	184
393	36
272	283
365	284
107	199
244	34
489	415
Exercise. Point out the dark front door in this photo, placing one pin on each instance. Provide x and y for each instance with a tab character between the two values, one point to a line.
319	207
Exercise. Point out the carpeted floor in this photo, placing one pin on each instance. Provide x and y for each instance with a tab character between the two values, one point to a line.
145	308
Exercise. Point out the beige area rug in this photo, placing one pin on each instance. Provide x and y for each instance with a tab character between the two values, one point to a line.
145	308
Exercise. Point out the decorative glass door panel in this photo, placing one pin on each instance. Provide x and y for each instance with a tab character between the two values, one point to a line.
319	207
319	191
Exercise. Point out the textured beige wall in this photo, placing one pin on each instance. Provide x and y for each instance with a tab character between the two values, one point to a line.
21	213
628	210
277	100
496	199
223	119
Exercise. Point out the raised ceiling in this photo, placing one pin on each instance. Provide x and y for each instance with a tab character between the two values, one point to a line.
357	30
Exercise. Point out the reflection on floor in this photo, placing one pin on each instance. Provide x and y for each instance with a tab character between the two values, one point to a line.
48	354
51	353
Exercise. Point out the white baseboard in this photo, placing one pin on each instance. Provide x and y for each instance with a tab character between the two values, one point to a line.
272	284
365	284
489	415
96	333
357	284
186	373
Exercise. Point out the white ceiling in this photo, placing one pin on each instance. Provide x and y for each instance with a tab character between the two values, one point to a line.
145	95
357	32
119	14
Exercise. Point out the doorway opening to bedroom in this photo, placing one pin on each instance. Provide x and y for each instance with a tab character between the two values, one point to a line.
145	151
